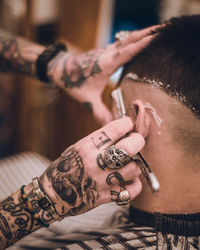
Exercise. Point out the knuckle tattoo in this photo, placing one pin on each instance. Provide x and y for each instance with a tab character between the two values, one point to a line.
100	162
115	177
100	140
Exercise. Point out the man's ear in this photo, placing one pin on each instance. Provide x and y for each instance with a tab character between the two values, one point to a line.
142	119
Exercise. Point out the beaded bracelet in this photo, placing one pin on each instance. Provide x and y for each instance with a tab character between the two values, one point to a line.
31	209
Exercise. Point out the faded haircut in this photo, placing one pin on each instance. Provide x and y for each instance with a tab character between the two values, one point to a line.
172	60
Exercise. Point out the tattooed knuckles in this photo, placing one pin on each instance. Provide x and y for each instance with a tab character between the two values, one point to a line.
107	135
94	175
77	178
133	189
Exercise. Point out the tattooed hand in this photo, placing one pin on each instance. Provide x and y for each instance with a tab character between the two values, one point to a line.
76	182
79	179
85	76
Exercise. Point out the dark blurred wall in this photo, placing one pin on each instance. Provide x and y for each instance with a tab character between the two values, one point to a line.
9	101
135	14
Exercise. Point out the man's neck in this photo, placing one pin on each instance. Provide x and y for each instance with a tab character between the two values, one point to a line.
179	186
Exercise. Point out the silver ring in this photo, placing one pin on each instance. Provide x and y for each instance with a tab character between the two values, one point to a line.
123	199
116	158
121	35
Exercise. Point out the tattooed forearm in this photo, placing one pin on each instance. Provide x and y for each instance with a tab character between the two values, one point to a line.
18	55
71	183
5	228
15	220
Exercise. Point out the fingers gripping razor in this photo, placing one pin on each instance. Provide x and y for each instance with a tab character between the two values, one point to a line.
150	177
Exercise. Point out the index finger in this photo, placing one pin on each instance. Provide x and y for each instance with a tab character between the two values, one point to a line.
127	53
136	35
111	133
131	144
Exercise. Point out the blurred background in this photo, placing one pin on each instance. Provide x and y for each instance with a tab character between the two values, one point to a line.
45	120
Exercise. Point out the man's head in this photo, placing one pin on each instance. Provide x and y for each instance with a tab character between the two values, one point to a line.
161	88
161	91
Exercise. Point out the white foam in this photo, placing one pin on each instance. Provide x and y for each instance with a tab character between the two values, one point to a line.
156	117
159	84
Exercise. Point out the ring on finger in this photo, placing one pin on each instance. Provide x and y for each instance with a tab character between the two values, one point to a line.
121	35
123	198
116	158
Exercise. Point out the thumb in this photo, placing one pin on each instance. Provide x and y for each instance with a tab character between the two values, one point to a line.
101	113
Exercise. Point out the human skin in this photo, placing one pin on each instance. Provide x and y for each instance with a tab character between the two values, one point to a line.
165	149
83	76
76	181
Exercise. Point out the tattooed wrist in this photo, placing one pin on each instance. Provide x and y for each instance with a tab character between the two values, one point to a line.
54	67
15	219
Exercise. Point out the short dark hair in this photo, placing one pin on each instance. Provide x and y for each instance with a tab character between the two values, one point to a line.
173	59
